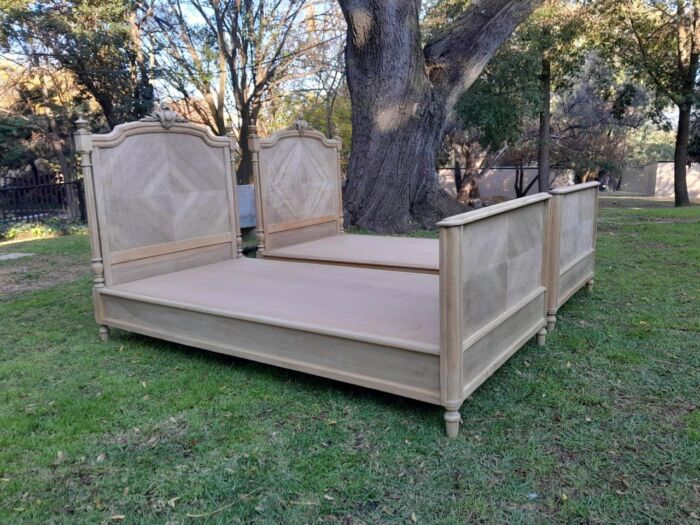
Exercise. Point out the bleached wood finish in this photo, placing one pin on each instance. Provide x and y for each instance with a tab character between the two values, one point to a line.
159	198
492	292
179	278
573	227
300	217
297	178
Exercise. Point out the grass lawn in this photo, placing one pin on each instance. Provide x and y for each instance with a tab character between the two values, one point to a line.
600	426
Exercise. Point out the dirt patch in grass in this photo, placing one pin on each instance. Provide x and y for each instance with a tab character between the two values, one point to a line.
38	272
138	439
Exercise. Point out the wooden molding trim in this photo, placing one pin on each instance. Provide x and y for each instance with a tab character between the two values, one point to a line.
564	269
502	318
484	213
272	140
293	225
122	131
575	188
168	247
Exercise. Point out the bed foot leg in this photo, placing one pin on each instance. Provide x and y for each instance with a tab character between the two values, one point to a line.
541	337
104	333
551	320
452	420
589	286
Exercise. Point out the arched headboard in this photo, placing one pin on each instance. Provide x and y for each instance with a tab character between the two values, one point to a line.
160	197
297	186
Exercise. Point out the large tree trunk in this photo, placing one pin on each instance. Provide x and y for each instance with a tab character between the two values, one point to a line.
244	171
680	159
402	96
545	125
397	118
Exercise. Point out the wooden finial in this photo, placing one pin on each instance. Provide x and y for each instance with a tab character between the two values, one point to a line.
82	136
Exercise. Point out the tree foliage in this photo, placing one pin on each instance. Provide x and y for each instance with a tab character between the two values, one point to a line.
98	42
658	42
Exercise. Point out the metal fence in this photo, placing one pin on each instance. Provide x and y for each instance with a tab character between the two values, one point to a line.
23	202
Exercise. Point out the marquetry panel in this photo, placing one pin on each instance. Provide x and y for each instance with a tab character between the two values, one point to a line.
300	178
502	263
157	188
577	225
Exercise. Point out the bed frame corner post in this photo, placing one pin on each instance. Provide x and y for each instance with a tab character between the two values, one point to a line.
235	156
339	150
553	235
83	146
254	146
451	355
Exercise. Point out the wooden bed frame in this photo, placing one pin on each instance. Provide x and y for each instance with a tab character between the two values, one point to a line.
300	207
573	227
166	254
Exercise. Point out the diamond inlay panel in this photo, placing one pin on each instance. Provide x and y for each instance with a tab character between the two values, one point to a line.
161	187
301	180
501	263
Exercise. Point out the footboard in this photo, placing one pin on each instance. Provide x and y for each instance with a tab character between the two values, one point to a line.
574	210
492	292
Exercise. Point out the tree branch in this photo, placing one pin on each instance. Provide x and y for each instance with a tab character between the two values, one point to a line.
458	54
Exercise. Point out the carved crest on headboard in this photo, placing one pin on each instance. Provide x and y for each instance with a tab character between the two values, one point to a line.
300	125
166	116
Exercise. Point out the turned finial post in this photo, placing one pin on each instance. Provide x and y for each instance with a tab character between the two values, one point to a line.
83	146
339	148
254	147
235	157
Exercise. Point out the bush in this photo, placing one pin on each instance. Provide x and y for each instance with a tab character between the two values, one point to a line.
52	227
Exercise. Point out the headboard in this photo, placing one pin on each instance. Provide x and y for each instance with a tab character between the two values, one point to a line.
297	186
159	197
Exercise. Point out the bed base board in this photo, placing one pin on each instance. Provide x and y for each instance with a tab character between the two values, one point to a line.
380	366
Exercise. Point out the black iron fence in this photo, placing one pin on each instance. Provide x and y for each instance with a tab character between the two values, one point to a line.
35	202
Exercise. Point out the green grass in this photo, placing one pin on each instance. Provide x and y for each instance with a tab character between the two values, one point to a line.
600	426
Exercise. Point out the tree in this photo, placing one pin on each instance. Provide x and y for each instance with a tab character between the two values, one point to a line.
659	41
402	94
258	40
98	42
191	62
323	64
551	33
595	120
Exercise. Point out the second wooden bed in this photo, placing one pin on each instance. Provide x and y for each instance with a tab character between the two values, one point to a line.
300	208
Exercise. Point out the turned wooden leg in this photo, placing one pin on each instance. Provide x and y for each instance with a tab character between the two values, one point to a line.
104	333
589	285
452	420
551	320
541	337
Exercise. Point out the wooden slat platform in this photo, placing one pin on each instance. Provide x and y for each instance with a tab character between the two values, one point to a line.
371	251
398	308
